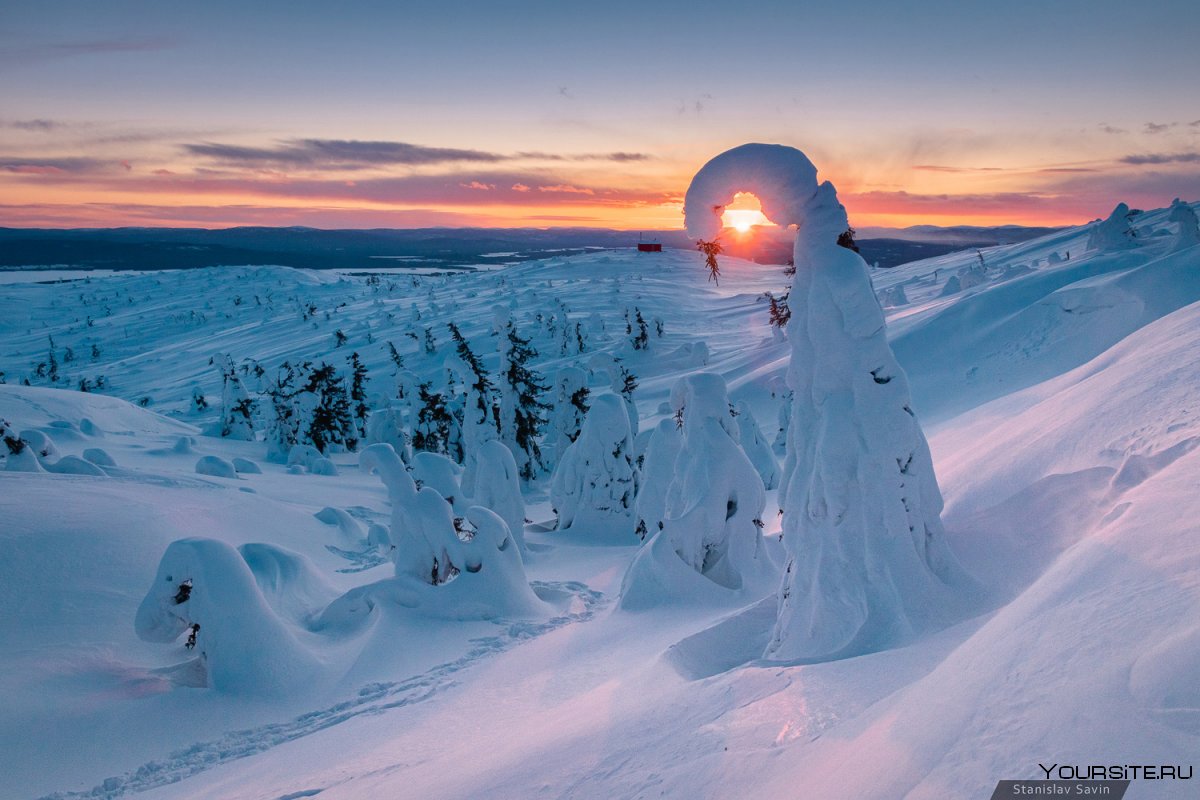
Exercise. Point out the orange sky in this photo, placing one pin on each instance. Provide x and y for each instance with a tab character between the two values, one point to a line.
465	113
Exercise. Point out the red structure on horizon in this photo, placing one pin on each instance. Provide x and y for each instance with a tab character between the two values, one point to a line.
649	247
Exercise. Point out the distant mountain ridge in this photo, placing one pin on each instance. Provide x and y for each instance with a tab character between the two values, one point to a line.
441	248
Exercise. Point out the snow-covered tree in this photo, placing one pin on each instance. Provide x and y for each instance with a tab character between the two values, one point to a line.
522	411
286	424
237	409
1114	233
596	480
475	559
658	470
622	381
330	419
478	414
570	405
1183	215
359	408
713	508
867	560
206	587
498	487
435	426
756	447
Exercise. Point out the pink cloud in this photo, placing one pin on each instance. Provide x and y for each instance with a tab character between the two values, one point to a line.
563	188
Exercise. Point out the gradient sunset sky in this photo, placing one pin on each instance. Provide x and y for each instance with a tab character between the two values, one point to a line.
373	114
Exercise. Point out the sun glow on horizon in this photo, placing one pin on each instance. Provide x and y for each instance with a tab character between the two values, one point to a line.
744	213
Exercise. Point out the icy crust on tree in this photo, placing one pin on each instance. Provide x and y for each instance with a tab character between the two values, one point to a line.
594	486
711	537
244	645
783	180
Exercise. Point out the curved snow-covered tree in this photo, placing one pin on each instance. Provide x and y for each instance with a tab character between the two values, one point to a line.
595	483
713	508
867	560
245	646
423	534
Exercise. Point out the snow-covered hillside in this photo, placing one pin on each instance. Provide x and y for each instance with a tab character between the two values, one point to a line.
1058	394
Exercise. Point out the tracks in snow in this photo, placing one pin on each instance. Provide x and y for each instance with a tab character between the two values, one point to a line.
374	698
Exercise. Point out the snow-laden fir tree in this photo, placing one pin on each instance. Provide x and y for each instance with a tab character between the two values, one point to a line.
637	329
711	537
522	410
622	381
330	419
596	480
867	559
479	424
237	409
570	407
435	427
286	425
359	408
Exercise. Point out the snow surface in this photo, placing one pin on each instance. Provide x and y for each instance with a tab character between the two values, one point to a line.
1058	396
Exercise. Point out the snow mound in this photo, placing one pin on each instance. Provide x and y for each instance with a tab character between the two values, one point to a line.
74	465
245	466
93	414
99	457
217	467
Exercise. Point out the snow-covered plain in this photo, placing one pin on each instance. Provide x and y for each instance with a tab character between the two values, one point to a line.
1058	396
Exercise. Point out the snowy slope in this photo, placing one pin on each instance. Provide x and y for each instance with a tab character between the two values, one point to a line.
1064	428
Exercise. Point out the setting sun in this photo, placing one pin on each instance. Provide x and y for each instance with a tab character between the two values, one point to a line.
744	213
